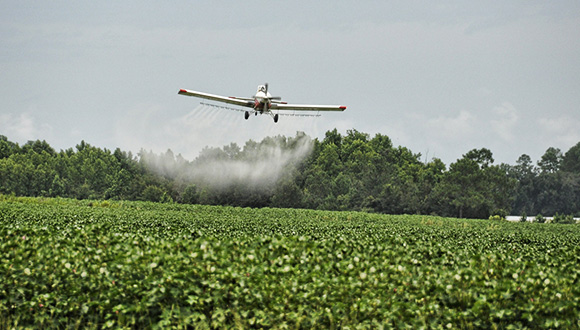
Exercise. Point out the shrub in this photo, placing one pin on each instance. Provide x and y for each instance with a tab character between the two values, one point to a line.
496	217
564	219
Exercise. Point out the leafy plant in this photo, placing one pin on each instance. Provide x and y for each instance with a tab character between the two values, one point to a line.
564	219
66	264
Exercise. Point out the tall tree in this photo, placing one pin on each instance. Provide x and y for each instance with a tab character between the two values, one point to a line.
7	147
474	187
550	162
571	160
525	173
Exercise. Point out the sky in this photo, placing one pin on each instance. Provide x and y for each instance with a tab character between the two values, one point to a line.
439	77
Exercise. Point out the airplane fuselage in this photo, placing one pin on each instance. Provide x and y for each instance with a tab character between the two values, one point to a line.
262	99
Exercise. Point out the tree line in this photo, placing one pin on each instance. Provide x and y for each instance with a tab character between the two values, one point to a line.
340	172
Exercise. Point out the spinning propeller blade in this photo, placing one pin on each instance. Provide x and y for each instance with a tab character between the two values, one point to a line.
273	97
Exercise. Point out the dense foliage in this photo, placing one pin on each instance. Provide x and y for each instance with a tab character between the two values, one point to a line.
551	187
36	169
90	264
350	172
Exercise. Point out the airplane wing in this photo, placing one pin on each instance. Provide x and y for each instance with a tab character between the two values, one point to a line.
231	100
307	107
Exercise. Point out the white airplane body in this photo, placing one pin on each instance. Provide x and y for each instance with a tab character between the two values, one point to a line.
262	102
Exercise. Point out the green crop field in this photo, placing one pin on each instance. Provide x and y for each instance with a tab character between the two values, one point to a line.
94	264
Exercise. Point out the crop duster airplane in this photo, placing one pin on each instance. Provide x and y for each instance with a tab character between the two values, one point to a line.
262	102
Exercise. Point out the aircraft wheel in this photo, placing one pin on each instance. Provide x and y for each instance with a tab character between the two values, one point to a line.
247	115
276	118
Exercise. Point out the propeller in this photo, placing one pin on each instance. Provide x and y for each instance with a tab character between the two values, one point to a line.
272	97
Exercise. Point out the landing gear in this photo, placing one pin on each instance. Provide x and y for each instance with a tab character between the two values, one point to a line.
274	115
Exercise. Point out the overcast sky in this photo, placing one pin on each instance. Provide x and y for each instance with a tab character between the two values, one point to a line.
438	77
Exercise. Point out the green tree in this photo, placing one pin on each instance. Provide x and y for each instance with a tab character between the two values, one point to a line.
333	137
7	147
287	194
571	160
190	195
559	193
58	187
153	194
119	185
550	162
329	161
431	176
316	187
462	188
474	187
525	195
38	147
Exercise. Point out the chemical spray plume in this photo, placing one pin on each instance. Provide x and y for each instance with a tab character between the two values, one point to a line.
257	165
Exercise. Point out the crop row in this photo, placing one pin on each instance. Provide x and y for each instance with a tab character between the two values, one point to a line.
78	264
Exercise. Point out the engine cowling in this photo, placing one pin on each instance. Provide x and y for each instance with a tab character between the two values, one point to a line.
262	106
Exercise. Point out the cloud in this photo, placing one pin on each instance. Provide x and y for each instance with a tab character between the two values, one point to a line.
560	131
504	121
448	136
23	127
452	128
